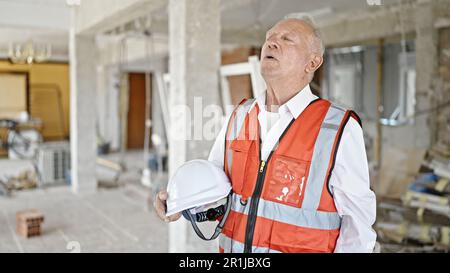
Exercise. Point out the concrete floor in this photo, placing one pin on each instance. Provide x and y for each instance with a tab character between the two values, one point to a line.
112	220
133	163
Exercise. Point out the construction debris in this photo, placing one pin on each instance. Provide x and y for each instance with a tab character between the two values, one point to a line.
419	221
23	181
29	223
108	173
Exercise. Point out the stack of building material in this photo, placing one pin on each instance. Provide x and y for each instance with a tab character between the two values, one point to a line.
421	217
29	223
24	180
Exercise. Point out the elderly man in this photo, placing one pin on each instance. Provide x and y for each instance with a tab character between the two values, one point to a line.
297	163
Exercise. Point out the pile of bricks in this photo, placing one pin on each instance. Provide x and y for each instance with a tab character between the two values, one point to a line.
29	223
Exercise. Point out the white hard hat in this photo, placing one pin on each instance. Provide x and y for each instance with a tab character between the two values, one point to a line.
196	188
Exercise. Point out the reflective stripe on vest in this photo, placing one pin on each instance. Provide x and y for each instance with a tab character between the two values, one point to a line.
290	215
238	122
321	157
232	246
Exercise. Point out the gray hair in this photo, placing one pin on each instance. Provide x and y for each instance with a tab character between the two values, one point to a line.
306	18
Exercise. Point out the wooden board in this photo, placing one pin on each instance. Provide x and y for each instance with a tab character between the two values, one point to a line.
46	104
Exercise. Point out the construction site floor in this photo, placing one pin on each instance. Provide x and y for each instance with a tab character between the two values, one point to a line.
111	220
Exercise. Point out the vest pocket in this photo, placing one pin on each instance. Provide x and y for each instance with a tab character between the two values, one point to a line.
286	180
229	225
240	150
291	239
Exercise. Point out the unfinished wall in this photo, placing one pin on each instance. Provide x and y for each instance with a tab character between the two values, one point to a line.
108	91
365	64
443	87
369	84
108	120
403	147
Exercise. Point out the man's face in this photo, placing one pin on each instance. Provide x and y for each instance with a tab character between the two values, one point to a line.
287	50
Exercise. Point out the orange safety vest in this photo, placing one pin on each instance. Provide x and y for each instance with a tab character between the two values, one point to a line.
283	204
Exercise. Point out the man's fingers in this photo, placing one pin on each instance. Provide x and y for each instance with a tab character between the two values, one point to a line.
163	195
160	207
161	212
174	217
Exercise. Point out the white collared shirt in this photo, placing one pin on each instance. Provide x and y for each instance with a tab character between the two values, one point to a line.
355	201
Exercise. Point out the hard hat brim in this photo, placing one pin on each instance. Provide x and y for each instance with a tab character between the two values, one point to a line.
197	203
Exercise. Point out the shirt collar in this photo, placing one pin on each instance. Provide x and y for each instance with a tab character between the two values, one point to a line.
296	105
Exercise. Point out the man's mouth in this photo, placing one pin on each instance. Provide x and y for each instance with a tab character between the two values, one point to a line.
270	57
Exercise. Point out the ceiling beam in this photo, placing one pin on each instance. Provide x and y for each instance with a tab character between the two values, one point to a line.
94	17
370	24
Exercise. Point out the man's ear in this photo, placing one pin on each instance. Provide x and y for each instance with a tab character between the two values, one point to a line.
314	64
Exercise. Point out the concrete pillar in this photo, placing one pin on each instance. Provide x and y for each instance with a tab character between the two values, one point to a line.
83	81
426	69
194	48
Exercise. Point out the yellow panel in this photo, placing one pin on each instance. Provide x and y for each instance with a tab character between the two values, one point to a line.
54	74
46	104
13	94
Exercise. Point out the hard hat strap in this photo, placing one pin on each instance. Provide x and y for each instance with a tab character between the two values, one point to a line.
224	218
227	212
211	214
192	218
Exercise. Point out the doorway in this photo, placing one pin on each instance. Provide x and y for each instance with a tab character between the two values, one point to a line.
136	110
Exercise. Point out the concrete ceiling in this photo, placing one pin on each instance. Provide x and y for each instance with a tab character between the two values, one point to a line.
48	20
38	20
45	14
267	12
238	14
57	39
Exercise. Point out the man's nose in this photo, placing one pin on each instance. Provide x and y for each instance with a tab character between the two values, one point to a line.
272	43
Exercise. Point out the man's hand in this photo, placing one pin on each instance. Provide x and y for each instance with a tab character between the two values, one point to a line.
161	207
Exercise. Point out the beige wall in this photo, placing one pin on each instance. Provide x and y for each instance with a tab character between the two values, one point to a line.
47	74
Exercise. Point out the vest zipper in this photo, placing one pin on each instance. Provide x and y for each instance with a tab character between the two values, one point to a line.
251	220
253	210
263	164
